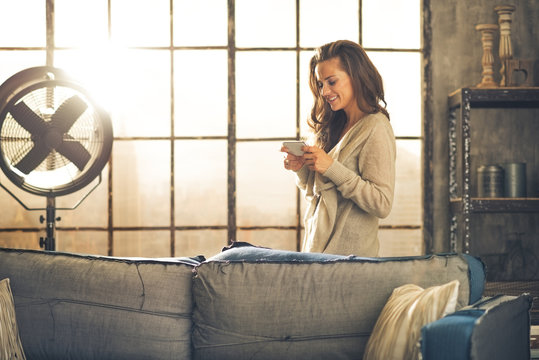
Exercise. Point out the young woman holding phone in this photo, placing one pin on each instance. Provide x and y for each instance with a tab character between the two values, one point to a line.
348	173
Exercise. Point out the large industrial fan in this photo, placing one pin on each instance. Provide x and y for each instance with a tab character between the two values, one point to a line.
54	140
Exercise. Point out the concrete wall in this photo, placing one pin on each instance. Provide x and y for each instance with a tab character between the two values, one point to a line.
455	63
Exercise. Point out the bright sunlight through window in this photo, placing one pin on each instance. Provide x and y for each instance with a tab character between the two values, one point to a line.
176	85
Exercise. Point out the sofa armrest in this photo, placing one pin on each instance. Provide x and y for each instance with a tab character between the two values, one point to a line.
493	328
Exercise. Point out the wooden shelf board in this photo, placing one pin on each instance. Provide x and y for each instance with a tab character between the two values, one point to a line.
498	97
497	205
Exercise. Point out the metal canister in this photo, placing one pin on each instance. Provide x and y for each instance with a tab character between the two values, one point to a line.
515	180
490	179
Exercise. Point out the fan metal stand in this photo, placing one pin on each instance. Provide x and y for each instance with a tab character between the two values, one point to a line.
49	242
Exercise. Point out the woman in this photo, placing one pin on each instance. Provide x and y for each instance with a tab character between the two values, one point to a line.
349	174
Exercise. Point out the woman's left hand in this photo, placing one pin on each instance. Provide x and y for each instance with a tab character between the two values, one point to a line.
317	159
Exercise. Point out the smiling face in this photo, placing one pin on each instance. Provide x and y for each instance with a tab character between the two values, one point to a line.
335	86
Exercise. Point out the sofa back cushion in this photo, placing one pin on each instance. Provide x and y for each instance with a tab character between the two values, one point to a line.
90	307
285	305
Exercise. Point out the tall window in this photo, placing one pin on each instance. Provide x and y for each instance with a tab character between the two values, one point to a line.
201	95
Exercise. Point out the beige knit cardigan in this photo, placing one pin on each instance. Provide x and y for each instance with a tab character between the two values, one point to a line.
345	203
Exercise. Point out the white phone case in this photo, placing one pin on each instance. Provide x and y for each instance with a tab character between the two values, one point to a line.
294	147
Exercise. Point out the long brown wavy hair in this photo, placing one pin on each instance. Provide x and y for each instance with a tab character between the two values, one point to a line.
366	82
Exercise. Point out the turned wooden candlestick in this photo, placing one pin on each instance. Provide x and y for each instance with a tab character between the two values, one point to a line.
487	61
505	50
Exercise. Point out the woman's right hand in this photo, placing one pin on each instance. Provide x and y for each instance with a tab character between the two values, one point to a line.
292	162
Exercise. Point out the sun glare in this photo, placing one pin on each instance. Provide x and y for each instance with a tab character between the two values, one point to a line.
95	68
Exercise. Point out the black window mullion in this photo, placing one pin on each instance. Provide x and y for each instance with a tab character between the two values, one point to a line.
360	22
298	119
231	178
49	18
172	142
110	198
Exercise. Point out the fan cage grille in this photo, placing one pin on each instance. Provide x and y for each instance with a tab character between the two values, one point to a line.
55	171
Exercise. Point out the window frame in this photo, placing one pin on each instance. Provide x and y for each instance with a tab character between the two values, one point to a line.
426	137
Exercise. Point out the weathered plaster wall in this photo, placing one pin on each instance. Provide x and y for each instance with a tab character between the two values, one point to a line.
456	62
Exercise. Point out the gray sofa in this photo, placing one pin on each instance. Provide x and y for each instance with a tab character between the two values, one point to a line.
247	303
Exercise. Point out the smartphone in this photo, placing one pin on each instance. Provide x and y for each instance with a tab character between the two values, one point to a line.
294	147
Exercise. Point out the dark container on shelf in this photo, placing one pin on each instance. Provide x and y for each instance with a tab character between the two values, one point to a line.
490	181
515	180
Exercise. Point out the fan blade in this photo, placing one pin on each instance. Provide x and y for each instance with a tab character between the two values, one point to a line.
28	119
30	161
66	115
75	152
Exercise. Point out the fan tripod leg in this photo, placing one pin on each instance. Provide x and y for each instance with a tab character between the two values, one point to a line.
49	243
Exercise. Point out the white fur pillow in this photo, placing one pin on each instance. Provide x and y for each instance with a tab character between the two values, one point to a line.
10	343
397	331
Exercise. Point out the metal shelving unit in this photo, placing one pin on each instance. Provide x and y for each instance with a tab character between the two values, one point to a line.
462	204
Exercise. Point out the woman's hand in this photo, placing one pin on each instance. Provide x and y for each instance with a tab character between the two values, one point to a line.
317	159
292	162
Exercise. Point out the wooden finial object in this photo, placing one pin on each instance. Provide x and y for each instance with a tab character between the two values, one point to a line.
487	60
505	49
